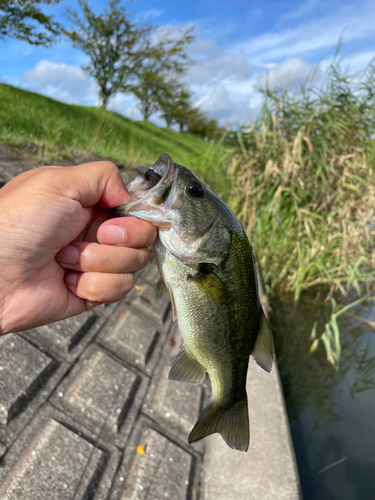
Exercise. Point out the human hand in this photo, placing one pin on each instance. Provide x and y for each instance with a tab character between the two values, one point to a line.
61	253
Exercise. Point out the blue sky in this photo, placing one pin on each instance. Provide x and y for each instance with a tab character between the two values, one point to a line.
238	43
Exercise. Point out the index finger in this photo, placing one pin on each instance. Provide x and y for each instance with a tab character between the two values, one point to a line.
127	231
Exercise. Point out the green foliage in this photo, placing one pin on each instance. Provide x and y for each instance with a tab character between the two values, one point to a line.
305	184
114	44
173	101
182	111
59	128
165	59
202	126
147	92
23	19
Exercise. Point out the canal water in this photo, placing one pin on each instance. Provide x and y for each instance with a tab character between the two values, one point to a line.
331	414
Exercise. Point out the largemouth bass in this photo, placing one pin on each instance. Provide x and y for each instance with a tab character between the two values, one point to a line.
207	266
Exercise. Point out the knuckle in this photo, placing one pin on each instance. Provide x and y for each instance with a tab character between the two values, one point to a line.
97	287
93	286
127	282
147	234
143	256
108	166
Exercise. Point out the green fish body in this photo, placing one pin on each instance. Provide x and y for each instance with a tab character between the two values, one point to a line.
207	266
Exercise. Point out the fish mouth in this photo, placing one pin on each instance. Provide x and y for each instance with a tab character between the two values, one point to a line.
158	174
151	191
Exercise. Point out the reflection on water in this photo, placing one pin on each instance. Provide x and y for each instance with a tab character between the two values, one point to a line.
332	415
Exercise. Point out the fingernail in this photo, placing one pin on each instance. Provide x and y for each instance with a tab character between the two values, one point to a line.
68	255
112	235
71	279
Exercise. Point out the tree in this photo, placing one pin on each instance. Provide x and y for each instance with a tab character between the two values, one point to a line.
174	103
182	111
167	100
147	93
23	19
202	126
165	59
114	44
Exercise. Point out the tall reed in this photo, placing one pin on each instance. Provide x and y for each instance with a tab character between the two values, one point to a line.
304	189
304	183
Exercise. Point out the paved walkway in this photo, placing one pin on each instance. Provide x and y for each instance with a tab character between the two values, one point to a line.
87	410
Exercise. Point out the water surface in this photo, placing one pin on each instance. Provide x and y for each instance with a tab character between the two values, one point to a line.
332	415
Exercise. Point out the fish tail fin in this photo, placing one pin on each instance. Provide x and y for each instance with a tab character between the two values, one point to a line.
232	422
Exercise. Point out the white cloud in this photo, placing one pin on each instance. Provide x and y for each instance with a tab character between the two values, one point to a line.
125	105
224	107
218	67
319	33
358	61
291	73
63	82
302	10
152	13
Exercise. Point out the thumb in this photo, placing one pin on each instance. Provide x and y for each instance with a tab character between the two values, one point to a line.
96	182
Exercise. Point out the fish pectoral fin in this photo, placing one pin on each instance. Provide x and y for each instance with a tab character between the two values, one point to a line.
231	422
186	368
263	348
210	284
160	289
171	298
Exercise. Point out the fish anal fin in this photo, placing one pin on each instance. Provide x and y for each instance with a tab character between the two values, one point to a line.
160	289
210	284
263	348
231	422
186	368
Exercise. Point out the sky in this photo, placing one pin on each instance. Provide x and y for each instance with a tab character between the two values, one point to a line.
240	45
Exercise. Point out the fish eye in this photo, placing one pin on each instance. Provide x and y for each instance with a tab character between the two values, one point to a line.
195	189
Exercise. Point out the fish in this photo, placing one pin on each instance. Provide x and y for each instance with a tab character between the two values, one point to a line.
207	267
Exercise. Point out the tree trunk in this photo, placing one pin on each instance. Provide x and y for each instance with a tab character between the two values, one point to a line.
146	113
104	96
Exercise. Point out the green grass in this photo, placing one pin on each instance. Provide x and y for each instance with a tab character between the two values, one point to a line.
26	117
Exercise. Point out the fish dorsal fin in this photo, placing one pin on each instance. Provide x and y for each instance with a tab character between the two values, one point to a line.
160	289
210	284
263	349
186	368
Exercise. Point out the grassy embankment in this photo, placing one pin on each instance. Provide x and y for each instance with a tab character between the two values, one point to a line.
58	128
305	190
